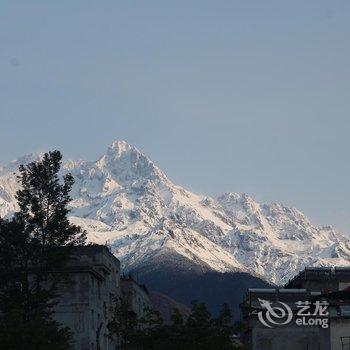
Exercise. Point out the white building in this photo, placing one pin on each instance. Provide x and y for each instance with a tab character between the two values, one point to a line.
85	304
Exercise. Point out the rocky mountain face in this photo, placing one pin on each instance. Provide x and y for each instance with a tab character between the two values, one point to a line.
124	199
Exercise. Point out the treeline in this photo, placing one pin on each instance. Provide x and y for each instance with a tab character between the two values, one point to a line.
198	331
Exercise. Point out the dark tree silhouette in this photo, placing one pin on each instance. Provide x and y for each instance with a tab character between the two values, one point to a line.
199	332
124	324
34	246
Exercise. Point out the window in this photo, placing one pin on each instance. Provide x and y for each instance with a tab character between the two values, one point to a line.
345	343
105	342
104	309
92	319
92	285
117	277
99	289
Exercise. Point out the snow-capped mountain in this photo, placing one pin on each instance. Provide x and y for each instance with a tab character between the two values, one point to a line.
123	198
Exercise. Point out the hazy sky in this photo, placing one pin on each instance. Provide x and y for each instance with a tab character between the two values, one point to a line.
245	96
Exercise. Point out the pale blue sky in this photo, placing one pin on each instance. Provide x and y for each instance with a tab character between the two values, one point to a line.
246	96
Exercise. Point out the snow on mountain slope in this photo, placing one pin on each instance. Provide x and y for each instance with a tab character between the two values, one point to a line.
123	198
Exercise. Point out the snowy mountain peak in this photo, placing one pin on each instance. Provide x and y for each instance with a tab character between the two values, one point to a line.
124	198
117	148
28	158
126	163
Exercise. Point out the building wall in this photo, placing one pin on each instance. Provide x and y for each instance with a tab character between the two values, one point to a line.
321	279
340	328
315	286
293	337
286	338
72	310
282	337
303	287
137	295
85	303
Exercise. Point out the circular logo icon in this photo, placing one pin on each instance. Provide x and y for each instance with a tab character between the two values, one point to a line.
278	314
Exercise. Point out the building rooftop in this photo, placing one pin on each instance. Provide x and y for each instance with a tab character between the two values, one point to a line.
340	274
94	258
253	295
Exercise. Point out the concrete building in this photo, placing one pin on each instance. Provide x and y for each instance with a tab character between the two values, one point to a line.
312	311
325	279
259	336
84	303
137	295
338	335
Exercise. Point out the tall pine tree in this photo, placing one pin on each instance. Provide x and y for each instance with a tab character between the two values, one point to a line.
34	246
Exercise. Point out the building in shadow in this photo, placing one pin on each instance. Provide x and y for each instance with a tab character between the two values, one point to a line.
136	294
85	300
312	311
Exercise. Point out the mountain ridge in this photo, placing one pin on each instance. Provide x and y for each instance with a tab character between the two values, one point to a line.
123	198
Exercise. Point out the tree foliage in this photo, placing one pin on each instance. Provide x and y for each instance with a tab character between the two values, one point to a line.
32	253
200	331
38	333
124	324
